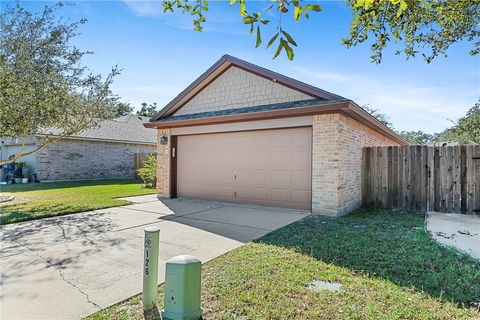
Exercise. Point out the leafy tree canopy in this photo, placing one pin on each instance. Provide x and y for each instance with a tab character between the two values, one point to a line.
383	118
44	89
466	130
121	108
148	110
418	26
416	137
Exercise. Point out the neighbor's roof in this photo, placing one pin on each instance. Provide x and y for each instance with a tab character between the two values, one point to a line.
127	128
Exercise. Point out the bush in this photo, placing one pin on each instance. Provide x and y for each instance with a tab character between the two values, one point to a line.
149	171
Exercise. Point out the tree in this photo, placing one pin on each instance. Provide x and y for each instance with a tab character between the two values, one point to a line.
420	26
148	110
383	118
416	137
465	130
44	90
121	108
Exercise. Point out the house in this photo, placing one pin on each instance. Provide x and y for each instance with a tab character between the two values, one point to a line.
243	133
104	152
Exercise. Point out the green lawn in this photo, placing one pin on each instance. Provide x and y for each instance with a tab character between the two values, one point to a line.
40	200
388	266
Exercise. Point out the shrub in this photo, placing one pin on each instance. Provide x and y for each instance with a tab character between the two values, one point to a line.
149	171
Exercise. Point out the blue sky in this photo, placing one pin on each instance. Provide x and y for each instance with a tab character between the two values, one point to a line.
160	55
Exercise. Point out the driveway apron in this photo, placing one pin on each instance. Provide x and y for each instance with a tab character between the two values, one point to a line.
71	266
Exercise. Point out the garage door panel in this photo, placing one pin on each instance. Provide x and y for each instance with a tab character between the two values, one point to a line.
299	161
301	179
281	195
244	140
227	191
280	159
299	196
244	176
261	158
261	141
244	192
226	174
270	167
245	158
280	178
262	178
262	194
282	138
301	139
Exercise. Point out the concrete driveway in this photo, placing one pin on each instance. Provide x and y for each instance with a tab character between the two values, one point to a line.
460	231
69	267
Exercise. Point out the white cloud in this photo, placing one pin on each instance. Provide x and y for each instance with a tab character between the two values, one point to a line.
146	8
322	75
216	21
410	106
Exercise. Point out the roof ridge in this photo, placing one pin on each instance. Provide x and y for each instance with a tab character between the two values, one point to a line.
233	58
292	83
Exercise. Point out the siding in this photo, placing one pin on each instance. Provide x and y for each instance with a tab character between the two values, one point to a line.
236	88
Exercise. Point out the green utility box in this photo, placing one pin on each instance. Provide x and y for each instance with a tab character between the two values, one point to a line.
182	288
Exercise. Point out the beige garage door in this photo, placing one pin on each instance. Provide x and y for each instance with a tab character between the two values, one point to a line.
270	167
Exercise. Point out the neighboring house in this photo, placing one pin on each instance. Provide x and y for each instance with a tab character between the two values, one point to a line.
104	152
246	134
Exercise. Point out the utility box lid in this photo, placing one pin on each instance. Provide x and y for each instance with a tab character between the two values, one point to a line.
183	259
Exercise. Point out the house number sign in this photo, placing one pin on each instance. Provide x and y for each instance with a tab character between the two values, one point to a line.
150	267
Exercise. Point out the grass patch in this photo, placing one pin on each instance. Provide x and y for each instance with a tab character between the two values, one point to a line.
388	266
40	200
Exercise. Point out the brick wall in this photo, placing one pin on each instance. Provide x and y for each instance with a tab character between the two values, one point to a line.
236	88
325	164
81	159
337	144
163	165
337	162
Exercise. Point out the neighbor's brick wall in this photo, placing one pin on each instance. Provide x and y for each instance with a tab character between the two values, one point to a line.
236	88
81	159
163	165
337	162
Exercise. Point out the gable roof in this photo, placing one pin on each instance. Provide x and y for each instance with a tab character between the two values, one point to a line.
221	66
129	128
322	102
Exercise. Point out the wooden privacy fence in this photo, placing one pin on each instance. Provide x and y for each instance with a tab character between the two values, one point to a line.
422	178
138	159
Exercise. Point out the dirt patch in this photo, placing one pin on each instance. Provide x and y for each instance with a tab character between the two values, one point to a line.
6	198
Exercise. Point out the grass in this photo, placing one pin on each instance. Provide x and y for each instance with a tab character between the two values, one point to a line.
389	267
40	200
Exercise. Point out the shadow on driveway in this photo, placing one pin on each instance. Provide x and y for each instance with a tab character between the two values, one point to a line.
94	259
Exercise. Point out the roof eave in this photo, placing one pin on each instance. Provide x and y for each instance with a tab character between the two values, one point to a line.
366	118
346	106
98	139
251	116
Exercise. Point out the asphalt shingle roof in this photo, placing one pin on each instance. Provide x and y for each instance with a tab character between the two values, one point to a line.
267	107
126	128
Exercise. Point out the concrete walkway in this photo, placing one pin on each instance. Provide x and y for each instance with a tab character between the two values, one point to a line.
456	230
69	267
